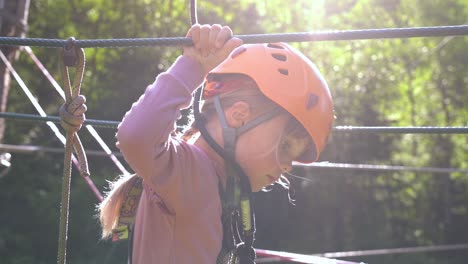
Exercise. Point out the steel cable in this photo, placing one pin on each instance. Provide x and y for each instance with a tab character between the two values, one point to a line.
332	35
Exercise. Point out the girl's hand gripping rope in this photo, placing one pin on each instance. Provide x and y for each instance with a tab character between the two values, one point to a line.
211	45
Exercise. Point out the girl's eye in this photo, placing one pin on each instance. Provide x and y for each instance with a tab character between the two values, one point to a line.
292	148
285	146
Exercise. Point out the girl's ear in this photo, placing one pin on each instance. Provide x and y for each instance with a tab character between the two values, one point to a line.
238	114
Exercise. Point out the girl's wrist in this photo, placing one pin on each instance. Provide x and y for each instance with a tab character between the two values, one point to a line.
187	70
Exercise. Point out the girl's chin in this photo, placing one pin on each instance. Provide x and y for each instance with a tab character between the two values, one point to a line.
256	187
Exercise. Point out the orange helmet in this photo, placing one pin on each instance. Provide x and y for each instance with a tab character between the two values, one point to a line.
291	80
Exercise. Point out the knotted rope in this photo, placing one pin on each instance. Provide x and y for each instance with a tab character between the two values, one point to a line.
72	118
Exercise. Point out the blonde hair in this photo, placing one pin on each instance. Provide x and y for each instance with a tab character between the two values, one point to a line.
109	208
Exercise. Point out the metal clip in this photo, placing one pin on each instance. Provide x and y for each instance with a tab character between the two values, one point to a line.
69	53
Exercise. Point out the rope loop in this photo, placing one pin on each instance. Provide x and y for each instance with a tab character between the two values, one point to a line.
72	111
72	118
69	52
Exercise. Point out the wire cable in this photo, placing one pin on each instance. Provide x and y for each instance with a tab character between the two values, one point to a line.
56	119
388	251
27	149
193	12
333	35
401	130
338	129
368	167
275	256
320	165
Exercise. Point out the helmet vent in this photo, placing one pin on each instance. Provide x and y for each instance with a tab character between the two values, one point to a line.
280	57
312	101
283	71
275	46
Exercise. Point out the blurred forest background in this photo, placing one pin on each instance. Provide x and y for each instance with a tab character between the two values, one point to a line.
398	82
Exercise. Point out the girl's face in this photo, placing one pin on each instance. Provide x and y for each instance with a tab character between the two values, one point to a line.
266	151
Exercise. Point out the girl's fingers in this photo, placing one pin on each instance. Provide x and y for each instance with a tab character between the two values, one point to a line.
214	35
229	46
194	34
224	35
204	40
211	45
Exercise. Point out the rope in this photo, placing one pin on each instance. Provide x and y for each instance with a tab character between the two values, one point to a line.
42	113
72	56
336	35
90	129
338	129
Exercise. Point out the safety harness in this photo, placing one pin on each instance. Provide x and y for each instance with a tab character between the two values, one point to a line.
128	210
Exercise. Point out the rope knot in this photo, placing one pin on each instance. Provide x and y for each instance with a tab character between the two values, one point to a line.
72	115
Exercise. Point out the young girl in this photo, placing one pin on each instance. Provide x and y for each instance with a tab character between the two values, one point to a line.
265	106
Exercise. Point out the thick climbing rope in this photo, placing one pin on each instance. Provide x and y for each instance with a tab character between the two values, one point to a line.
72	57
362	34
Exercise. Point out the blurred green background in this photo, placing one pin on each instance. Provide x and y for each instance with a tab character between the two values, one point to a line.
397	82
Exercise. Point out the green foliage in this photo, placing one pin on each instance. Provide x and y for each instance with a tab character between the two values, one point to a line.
401	82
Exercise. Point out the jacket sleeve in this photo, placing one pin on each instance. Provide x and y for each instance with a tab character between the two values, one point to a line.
143	136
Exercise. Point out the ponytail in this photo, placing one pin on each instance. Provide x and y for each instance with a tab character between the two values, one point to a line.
109	209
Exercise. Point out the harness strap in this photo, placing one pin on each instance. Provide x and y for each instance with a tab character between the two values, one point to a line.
128	211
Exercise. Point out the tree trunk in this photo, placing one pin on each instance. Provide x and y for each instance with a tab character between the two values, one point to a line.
13	23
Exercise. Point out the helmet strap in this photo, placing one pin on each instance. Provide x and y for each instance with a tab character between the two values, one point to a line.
237	198
230	134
